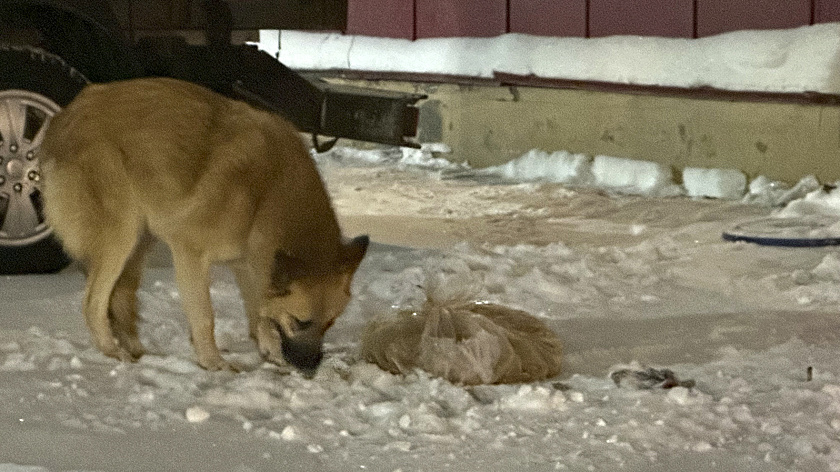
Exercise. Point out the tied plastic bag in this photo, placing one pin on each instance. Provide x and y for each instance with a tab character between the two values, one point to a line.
467	343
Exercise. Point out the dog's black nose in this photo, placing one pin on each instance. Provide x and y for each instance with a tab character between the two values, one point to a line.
303	353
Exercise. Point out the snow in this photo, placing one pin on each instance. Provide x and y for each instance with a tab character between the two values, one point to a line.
632	176
714	183
626	281
816	202
792	60
559	166
639	177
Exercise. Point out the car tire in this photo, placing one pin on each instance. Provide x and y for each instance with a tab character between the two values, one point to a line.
34	86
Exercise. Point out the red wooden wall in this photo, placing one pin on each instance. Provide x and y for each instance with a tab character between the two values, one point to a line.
674	18
718	16
414	19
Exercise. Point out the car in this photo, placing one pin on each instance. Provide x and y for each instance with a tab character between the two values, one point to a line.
51	49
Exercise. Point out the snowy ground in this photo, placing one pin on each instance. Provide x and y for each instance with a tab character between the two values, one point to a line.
621	279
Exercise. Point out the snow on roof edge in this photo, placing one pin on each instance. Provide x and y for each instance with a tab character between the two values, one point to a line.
804	59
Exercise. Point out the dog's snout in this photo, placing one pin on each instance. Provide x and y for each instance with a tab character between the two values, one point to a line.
302	352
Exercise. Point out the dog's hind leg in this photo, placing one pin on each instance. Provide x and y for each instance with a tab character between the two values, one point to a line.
105	263
123	306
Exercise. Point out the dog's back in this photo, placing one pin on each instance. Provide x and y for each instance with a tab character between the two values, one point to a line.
196	170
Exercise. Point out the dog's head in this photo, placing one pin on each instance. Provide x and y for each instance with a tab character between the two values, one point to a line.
304	302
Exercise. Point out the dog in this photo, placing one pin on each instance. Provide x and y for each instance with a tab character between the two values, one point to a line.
129	162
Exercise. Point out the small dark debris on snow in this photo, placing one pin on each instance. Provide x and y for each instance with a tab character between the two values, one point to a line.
563	387
809	374
483	394
649	378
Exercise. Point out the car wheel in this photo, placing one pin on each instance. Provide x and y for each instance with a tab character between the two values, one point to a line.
34	86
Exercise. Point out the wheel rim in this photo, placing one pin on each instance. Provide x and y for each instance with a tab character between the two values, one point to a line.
24	117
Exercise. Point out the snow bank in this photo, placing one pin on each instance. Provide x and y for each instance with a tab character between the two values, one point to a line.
793	60
639	177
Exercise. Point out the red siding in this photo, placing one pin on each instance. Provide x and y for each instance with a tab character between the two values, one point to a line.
669	18
548	17
673	18
384	18
438	18
719	16
826	11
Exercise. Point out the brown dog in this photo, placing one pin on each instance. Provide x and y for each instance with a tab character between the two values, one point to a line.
216	180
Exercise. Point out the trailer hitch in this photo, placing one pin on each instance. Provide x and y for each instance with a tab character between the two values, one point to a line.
325	109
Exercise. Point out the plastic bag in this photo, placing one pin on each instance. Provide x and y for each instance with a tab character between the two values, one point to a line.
466	343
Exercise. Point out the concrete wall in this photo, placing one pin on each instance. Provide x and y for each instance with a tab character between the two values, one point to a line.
489	125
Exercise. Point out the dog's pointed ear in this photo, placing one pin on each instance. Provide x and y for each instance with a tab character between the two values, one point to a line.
286	269
354	252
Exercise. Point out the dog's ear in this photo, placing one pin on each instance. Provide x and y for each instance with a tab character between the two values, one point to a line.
286	270
353	253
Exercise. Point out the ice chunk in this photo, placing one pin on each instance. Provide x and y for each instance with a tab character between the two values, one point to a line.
196	414
728	184
632	176
289	433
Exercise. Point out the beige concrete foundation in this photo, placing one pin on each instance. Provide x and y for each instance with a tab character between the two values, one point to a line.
490	124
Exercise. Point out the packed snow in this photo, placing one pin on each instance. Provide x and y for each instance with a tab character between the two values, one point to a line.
639	177
746	336
791	60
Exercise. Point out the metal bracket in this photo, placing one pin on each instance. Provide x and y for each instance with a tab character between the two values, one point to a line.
322	147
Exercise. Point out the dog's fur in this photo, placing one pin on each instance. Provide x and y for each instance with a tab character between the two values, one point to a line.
217	181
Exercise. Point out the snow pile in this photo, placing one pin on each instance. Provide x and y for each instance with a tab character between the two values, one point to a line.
639	177
628	176
793	60
819	202
559	166
423	158
772	193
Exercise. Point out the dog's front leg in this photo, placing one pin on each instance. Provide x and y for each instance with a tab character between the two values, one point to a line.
259	328
192	273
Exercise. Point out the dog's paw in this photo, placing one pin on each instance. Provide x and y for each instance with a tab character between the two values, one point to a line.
133	346
219	364
121	354
274	358
268	343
